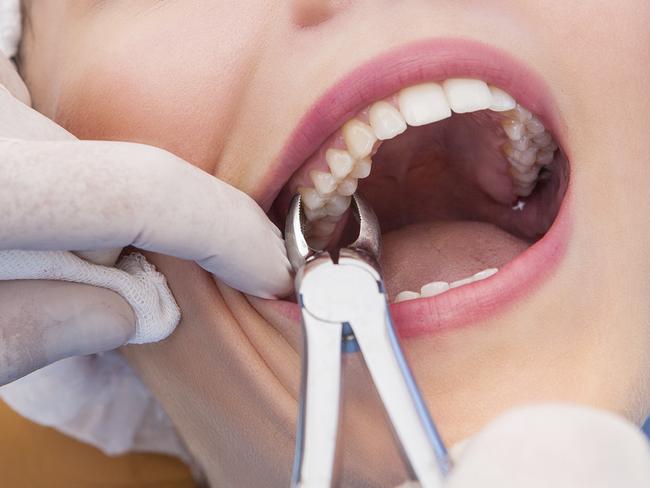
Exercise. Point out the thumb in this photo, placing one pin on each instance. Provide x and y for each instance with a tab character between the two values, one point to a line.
44	321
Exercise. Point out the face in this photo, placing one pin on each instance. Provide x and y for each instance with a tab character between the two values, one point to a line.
279	97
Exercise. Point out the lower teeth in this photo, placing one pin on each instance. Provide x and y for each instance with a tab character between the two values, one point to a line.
438	287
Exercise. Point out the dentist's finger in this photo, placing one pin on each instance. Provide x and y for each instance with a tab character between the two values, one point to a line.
563	446
100	195
44	321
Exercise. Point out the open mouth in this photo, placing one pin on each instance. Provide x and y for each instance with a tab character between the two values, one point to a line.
466	177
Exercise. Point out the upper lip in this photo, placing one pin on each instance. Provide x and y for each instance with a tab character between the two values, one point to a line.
426	60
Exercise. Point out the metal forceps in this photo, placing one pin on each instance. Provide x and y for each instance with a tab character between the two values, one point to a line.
344	307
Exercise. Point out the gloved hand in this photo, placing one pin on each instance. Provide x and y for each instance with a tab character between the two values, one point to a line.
59	193
559	446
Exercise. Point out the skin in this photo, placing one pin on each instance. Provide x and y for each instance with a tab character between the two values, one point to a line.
223	83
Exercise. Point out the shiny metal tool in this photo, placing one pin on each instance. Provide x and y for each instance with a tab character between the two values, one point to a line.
344	307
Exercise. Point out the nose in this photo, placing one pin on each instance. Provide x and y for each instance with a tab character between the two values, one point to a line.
308	13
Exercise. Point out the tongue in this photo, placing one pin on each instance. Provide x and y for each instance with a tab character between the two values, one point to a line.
418	254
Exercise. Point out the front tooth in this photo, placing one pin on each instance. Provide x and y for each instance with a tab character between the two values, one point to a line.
423	104
337	205
501	100
463	282
361	168
359	138
513	128
311	198
323	182
386	121
340	162
467	94
434	288
347	187
406	295
486	273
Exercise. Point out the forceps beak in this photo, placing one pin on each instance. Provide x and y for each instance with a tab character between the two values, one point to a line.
298	250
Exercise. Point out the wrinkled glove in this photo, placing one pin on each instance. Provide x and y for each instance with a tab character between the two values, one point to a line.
94	198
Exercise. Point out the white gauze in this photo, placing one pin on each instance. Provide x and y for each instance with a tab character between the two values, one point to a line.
98	399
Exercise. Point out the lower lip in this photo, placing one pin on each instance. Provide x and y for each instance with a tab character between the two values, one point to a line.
482	300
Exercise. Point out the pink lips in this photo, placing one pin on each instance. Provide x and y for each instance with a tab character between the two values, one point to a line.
433	60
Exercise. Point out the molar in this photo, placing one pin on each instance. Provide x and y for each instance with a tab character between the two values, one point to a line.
423	104
323	182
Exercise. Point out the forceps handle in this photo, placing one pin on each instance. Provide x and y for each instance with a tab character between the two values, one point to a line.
318	419
419	439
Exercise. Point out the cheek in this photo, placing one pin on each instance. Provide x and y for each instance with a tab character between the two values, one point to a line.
150	93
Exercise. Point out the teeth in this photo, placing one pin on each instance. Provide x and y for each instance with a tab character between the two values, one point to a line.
423	104
467	95
434	288
359	138
406	295
340	162
337	205
529	146
347	187
362	169
322	229
311	198
501	101
323	182
438	287
386	121
513	128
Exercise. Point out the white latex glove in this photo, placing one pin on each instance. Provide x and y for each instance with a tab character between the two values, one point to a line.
558	446
59	193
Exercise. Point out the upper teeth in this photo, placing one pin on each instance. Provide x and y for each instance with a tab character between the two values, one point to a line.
529	146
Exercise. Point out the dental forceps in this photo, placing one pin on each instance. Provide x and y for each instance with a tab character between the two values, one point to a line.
344	308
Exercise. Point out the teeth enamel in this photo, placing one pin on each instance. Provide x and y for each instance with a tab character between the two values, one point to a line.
359	138
386	121
406	295
340	162
423	104
486	273
313	214
347	187
467	95
323	182
501	101
362	168
311	198
322	229
434	288
337	205
528	148
438	287
535	126
513	128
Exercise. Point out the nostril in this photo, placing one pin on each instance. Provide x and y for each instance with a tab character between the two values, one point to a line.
309	13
